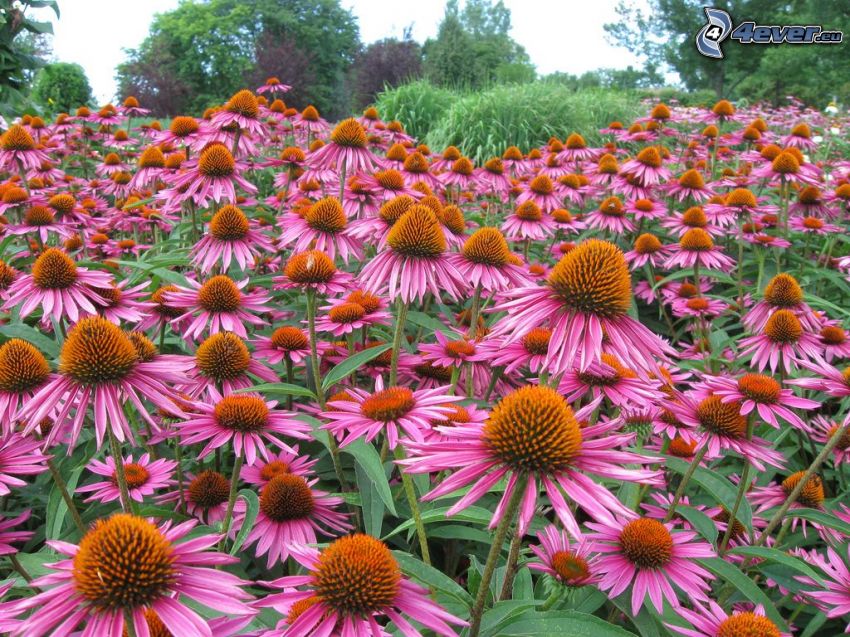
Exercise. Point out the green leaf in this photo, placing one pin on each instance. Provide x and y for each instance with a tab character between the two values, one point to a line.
719	487
252	508
473	514
701	522
428	322
775	555
370	501
567	623
56	503
728	573
504	612
821	517
278	389
352	363
431	577
368	459
47	345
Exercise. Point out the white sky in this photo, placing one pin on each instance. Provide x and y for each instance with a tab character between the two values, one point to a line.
559	35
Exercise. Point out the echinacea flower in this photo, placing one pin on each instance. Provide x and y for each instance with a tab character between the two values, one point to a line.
245	420
312	270
782	292
102	368
651	557
347	150
8	535
61	287
782	340
568	563
415	261
241	110
292	512
833	594
608	377
763	394
323	227
587	293
532	432
223	361
526	222
713	621
23	371
697	248
350	585
719	425
212	177
143	477
220	304
230	238
18	150
264	469
19	456
389	410
124	567
647	166
204	496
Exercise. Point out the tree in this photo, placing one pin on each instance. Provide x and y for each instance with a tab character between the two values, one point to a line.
62	87
210	48
383	64
19	55
474	48
664	36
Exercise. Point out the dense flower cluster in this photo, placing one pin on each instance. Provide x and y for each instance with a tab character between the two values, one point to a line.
264	375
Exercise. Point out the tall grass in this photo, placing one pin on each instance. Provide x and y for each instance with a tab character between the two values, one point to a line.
484	124
418	105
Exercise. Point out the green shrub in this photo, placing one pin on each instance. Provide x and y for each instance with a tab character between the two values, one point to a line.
483	124
61	87
418	105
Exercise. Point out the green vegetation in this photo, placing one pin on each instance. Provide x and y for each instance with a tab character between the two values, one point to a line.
22	49
664	35
61	87
482	124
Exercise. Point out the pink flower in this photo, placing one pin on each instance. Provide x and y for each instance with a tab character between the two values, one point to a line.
650	556
713	621
143	478
245	420
61	287
323	227
102	368
569	564
230	238
533	432
415	261
103	581
8	536
292	512
368	586
587	292
217	305
264	469
365	415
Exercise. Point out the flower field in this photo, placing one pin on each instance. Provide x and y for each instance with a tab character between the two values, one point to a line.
263	374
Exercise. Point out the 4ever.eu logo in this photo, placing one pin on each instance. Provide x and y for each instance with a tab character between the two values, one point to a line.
720	27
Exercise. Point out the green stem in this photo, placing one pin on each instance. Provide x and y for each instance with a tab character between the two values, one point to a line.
493	556
115	445
553	598
317	380
290	377
400	318
66	496
231	501
680	491
510	570
798	489
742	489
129	626
412	501
178	456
